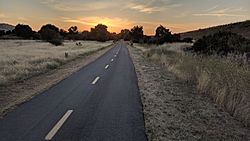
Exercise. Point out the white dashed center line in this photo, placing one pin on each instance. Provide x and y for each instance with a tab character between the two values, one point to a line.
106	66
58	125
96	79
114	55
112	60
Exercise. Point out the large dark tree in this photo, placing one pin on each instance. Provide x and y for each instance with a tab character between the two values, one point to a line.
46	30
51	34
73	33
137	34
100	33
163	35
24	31
161	31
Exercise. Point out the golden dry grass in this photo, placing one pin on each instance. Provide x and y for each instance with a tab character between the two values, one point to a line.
21	59
225	81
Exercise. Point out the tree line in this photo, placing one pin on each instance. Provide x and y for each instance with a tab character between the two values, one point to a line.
54	35
162	35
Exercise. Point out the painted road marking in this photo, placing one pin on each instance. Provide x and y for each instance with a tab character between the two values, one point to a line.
96	79
58	125
114	55
106	66
112	60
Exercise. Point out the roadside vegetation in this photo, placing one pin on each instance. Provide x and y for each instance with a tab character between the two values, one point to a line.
22	59
215	67
174	109
222	44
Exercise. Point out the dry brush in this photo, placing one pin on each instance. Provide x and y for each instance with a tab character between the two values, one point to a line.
225	81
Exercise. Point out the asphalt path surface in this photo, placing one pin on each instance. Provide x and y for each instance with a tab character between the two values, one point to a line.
100	102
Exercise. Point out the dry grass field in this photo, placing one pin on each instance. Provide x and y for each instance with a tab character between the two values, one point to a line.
178	47
21	59
227	82
174	110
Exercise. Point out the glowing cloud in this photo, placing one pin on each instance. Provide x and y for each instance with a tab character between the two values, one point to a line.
69	6
144	8
114	24
111	22
226	12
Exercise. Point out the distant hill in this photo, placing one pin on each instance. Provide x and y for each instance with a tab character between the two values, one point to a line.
6	27
241	28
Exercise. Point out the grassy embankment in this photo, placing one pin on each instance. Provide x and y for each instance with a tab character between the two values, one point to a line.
225	81
22	59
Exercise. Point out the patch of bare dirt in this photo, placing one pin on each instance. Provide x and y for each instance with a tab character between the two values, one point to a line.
15	94
173	110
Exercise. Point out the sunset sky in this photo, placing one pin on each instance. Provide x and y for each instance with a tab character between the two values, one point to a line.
178	15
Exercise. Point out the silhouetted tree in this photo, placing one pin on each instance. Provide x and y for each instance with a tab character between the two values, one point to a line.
24	31
63	33
2	32
50	33
163	35
125	34
112	36
73	30
137	34
8	32
86	35
100	33
51	27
